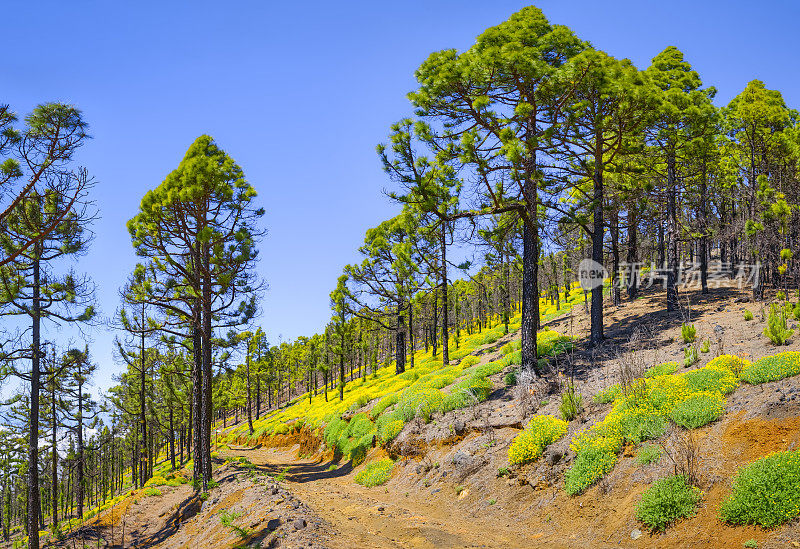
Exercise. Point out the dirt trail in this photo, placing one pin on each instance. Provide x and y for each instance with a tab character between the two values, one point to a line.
385	516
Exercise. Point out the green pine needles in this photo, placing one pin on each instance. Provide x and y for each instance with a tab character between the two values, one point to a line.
776	329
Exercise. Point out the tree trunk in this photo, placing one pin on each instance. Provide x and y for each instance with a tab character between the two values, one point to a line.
530	267
445	334
672	235
142	400
400	343
197	405
32	522
633	267
596	336
249	392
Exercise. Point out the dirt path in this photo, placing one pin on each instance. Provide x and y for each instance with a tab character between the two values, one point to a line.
383	516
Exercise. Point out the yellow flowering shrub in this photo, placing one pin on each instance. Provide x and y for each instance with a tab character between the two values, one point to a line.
715	376
531	442
375	473
772	368
640	412
731	362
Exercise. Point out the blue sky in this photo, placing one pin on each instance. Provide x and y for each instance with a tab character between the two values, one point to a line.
299	93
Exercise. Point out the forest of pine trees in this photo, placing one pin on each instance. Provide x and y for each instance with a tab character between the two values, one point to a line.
522	156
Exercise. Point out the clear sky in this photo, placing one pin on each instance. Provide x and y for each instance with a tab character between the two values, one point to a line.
299	93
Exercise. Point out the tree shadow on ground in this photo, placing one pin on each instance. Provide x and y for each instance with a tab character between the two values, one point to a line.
658	327
302	472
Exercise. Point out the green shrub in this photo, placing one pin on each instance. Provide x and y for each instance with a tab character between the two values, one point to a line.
688	332
488	369
571	403
590	465
772	368
359	426
480	387
698	410
665	369
551	343
780	295
459	398
690	356
608	394
748	315
438	381
540	432
384	420
639	425
667	501
648	453
468	361
776	329
391	430
384	403
281	429
510	359
765	492
711	378
510	378
333	431
421	403
510	347
751	544
152	491
706	346
375	473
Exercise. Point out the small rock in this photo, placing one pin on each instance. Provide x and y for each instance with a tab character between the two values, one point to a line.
459	426
436	490
553	456
636	533
299	524
381	509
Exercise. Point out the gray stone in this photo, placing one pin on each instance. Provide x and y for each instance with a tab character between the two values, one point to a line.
636	533
299	524
459	426
553	456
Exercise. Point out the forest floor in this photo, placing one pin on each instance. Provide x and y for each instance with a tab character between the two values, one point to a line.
453	490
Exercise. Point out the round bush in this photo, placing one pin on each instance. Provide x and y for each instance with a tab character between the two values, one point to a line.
667	501
698	410
765	492
375	473
531	442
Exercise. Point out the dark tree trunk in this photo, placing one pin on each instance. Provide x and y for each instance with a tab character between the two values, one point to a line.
672	235
530	266
32	522
633	267
615	282
596	335
197	405
445	334
400	343
142	400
